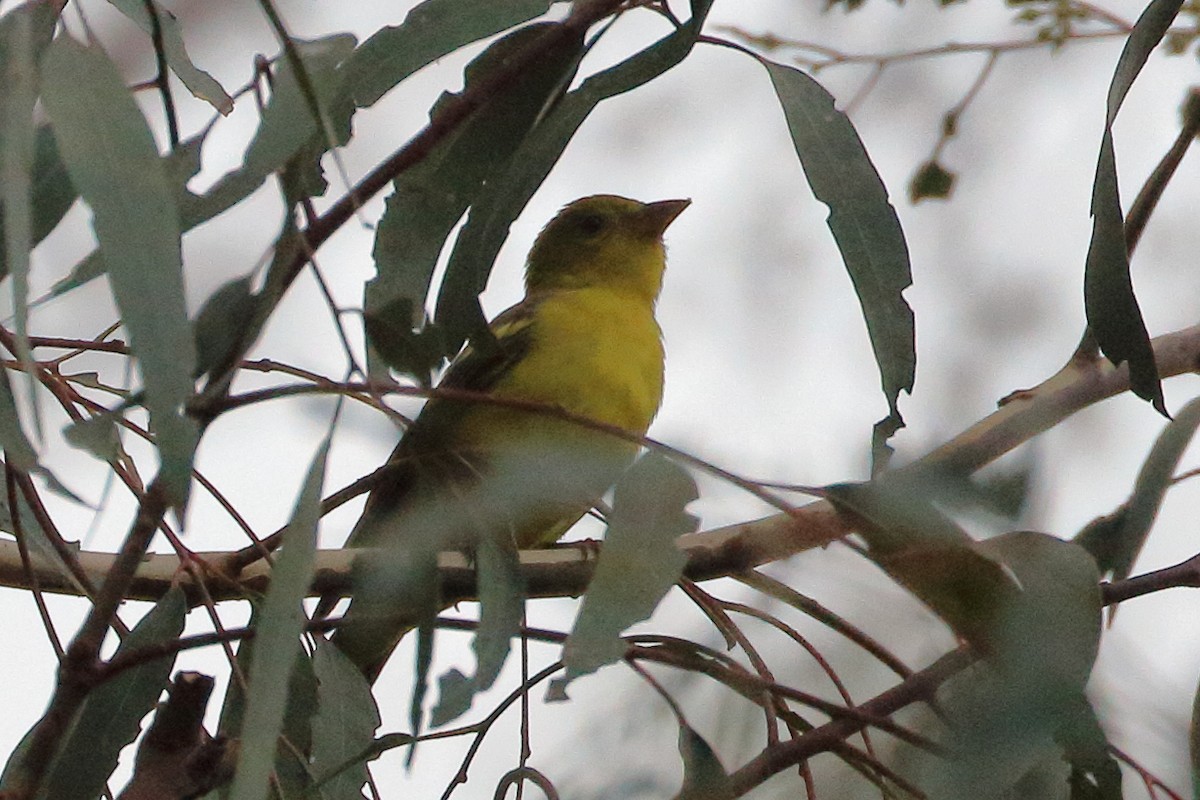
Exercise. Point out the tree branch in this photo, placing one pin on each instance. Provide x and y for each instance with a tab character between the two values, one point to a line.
778	757
720	552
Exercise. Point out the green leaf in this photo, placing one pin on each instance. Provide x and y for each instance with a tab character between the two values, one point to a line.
292	127
17	449
96	435
1113	315
1021	596
345	724
277	633
287	122
433	29
24	34
931	181
181	166
1051	628
430	198
292	769
88	269
111	157
184	162
928	554
456	691
297	717
1116	539
506	195
198	82
863	222
502	607
223	322
1112	309
52	193
1095	774
112	714
34	181
1021	708
287	127
703	776
639	563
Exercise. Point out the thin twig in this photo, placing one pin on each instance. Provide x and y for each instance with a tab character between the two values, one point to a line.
39	600
162	77
1152	190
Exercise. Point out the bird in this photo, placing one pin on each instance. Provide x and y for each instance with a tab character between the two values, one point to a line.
467	473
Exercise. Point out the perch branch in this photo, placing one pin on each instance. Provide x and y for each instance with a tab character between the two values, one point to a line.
710	554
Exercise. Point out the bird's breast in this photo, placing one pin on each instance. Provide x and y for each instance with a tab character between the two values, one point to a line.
595	352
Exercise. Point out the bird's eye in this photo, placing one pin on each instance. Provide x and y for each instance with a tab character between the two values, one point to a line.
591	224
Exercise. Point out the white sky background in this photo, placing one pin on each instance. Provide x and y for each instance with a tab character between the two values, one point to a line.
769	369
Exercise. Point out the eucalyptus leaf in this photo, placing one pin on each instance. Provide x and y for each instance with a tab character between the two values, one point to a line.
864	225
112	159
930	555
1116	539
344	725
96	435
1113	314
52	193
199	83
17	449
431	197
287	122
24	34
221	325
703	776
502	607
638	565
1095	773
432	29
112	714
277	632
1022	709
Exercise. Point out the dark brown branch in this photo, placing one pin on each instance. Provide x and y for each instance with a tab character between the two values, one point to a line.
1147	199
1184	574
920	687
177	758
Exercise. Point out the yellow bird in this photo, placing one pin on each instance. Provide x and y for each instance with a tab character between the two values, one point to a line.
585	340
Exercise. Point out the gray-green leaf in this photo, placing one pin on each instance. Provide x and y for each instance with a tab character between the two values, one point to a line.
1112	309
198	82
640	562
863	222
111	716
431	30
112	159
278	632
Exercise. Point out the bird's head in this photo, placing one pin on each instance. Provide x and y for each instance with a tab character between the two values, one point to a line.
603	241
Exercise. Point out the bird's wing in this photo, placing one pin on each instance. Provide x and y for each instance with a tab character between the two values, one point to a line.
426	454
428	450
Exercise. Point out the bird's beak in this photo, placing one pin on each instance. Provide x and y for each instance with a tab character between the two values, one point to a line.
657	216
